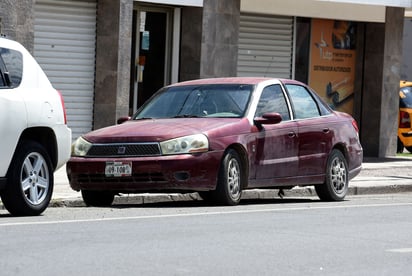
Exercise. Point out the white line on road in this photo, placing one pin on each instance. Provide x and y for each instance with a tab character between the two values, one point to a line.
400	250
22	223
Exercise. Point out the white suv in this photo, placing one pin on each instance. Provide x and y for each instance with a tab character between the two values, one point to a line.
35	139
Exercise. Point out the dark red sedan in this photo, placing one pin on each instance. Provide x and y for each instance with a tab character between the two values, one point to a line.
219	137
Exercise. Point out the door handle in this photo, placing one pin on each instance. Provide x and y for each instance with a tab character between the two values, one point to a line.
291	134
325	130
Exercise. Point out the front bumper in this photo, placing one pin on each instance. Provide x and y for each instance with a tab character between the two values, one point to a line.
405	137
184	172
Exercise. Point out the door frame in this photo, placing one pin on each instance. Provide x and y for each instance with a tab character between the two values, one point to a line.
172	42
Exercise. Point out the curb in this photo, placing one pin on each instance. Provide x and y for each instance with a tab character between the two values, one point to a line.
309	191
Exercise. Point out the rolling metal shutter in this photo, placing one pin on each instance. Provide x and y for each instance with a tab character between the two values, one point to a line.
265	46
64	46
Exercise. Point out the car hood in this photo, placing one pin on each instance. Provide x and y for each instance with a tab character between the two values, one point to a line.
150	130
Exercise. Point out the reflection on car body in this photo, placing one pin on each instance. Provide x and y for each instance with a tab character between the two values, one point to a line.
219	137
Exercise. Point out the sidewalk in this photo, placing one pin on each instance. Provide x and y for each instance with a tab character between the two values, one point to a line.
389	175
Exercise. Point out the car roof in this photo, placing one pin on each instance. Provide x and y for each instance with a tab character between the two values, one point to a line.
230	80
10	44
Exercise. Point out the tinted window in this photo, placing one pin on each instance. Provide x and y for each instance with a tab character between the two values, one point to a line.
273	100
405	97
198	101
2	79
13	61
304	106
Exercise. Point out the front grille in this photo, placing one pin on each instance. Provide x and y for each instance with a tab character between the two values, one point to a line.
407	134
124	150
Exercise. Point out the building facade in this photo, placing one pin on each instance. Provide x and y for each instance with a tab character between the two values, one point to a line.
108	56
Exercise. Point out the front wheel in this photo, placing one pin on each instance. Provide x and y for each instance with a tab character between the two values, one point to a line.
336	183
97	198
400	147
230	179
409	149
29	181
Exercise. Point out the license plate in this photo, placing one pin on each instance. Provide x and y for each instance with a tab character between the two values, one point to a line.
118	169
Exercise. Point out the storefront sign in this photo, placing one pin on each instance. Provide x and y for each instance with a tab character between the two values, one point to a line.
332	62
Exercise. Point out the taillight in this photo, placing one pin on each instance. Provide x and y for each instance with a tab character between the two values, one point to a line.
404	120
355	126
64	108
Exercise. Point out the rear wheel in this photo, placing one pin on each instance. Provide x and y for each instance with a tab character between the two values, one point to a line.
97	198
336	183
29	181
230	179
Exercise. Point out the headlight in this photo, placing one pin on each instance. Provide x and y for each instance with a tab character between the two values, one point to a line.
80	147
188	144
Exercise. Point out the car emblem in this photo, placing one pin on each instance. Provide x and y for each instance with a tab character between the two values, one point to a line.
121	150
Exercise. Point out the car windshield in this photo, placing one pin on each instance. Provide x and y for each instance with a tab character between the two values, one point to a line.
212	100
405	99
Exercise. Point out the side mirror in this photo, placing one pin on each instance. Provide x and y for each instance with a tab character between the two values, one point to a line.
121	120
268	119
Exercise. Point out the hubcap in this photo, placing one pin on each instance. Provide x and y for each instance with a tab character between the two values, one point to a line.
338	175
233	176
34	178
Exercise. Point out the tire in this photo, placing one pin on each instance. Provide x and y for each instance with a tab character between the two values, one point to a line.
336	183
230	179
207	196
97	198
409	149
400	147
29	181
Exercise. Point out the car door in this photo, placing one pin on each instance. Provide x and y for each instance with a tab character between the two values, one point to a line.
315	131
276	144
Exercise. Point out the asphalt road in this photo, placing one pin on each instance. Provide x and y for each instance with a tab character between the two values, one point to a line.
364	235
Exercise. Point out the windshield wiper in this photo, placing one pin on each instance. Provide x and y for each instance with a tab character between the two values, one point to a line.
143	118
186	116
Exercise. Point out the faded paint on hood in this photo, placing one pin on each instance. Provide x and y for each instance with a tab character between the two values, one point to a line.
150	130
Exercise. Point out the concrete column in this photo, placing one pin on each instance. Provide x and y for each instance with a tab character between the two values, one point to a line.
220	32
17	21
190	43
381	76
113	57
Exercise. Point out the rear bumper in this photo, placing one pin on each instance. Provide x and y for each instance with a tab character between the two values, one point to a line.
162	173
64	140
354	172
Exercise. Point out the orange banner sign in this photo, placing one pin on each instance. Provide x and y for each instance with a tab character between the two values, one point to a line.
332	62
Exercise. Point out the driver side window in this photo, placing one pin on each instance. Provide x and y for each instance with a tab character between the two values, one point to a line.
272	100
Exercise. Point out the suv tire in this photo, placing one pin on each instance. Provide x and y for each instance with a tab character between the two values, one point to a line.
30	181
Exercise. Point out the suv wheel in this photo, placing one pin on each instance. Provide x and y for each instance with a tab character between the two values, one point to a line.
29	181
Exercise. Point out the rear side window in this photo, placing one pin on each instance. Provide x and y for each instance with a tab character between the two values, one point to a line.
405	97
13	66
2	78
304	105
